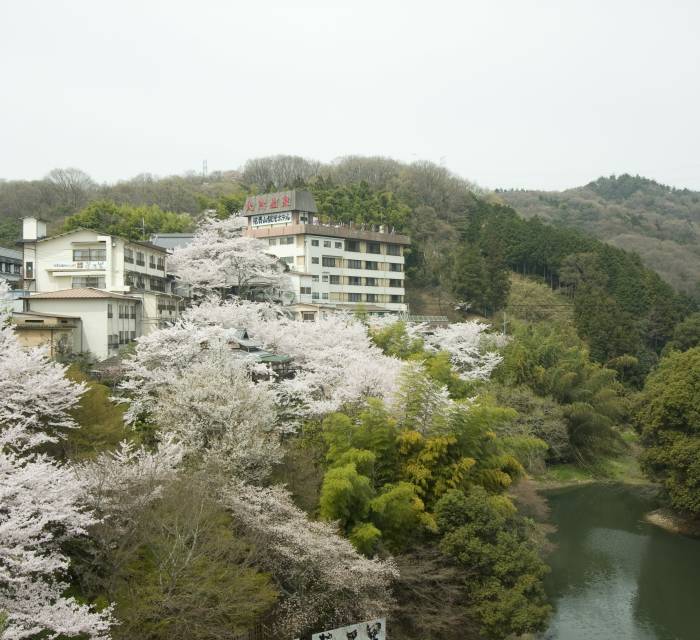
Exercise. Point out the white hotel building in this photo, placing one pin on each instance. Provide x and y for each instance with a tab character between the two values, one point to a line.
118	288
332	265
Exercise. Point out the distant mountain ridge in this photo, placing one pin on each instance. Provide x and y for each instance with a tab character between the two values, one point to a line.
660	223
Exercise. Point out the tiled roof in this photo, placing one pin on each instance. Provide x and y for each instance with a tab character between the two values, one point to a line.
88	292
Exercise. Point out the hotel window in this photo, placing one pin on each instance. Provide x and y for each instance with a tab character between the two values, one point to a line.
335	279
129	256
373	247
288	259
314	243
329	261
354	264
354	297
356	281
371	266
89	255
314	260
370	282
372	297
29	269
314	295
395	283
272	241
109	311
305	291
308	316
287	240
352	245
324	278
132	312
314	278
161	264
338	245
140	259
396	299
324	296
132	335
326	243
393	250
152	261
157	284
395	266
81	282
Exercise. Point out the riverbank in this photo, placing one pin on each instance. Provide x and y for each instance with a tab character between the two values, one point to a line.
622	469
673	523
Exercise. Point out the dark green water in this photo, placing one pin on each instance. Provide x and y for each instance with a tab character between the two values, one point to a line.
614	577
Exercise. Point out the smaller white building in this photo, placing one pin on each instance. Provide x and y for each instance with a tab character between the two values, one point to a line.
108	320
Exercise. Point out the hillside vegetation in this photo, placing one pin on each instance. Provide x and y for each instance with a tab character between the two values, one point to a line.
660	223
465	242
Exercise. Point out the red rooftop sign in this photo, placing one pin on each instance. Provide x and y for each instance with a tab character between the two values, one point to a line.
269	203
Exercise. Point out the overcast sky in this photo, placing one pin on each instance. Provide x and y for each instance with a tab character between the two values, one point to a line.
521	93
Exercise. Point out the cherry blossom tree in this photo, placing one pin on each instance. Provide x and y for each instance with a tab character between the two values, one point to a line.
336	360
472	350
194	384
36	395
41	507
41	502
326	581
221	257
119	482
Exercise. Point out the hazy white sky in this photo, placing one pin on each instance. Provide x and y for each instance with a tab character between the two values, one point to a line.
508	93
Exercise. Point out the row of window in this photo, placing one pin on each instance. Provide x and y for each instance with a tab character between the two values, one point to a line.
350	245
89	255
82	282
370	265
154	262
283	240
124	311
138	280
121	338
166	305
357	281
358	297
10	267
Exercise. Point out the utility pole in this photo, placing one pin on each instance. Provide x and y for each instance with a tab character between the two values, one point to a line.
204	169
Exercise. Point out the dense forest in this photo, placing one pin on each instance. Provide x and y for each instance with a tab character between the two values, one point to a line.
215	500
660	223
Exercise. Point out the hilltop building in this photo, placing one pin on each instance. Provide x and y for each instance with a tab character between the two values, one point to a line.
333	266
118	288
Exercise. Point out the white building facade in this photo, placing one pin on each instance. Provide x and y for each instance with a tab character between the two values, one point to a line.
132	276
332	266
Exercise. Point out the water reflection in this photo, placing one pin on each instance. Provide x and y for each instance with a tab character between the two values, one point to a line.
613	576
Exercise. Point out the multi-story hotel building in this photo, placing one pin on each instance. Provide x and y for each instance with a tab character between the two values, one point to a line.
119	288
332	265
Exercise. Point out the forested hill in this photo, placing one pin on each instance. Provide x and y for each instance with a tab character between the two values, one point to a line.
465	242
660	223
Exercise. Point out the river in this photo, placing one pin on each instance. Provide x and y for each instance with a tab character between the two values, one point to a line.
615	577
